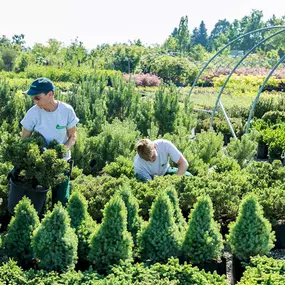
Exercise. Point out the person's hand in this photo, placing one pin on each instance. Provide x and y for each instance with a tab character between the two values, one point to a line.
13	174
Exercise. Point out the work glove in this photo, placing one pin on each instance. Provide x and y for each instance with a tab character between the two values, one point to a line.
13	174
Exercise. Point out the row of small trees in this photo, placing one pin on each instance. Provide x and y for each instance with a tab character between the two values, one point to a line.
64	236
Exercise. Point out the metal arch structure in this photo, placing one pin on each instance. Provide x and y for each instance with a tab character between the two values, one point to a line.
227	79
229	76
259	92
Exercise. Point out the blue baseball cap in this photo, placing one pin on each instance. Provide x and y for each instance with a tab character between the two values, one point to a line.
40	85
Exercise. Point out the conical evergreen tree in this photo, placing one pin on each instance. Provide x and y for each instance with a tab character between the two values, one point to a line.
178	217
54	242
82	222
17	242
111	242
160	239
251	234
134	221
77	209
203	241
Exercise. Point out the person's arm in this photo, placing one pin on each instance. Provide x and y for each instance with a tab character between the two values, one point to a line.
25	133
71	134
182	165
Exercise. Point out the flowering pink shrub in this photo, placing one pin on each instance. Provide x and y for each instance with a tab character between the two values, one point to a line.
142	79
207	78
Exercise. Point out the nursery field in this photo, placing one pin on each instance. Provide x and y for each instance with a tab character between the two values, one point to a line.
115	229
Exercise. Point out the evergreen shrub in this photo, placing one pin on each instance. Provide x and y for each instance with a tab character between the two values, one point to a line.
54	242
121	166
160	239
111	242
242	150
251	233
134	221
97	191
203	241
177	213
264	271
82	223
17	241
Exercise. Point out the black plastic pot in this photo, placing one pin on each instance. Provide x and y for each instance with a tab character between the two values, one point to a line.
19	190
262	151
219	267
237	269
280	236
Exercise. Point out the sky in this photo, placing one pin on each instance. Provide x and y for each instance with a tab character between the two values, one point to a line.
96	22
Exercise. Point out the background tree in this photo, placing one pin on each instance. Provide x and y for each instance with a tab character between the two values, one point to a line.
200	36
217	36
251	23
183	35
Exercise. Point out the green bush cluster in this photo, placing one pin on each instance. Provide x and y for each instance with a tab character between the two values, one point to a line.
264	271
125	273
38	166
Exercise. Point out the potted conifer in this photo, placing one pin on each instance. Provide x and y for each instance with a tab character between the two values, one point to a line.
160	239
37	167
250	235
54	242
17	241
203	243
83	225
111	243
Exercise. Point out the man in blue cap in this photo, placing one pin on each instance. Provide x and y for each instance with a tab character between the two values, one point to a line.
53	119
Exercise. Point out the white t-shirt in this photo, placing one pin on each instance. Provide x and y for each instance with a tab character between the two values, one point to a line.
164	150
51	125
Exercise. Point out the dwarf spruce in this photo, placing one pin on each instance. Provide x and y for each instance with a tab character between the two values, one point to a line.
134	222
203	241
17	242
178	217
160	239
111	242
54	242
251	234
82	223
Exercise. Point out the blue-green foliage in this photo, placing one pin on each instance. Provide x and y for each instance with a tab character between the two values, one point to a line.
82	223
111	242
251	234
160	239
203	242
17	241
178	217
54	242
134	221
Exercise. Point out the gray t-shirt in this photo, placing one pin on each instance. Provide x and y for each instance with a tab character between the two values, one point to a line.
51	125
164	150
